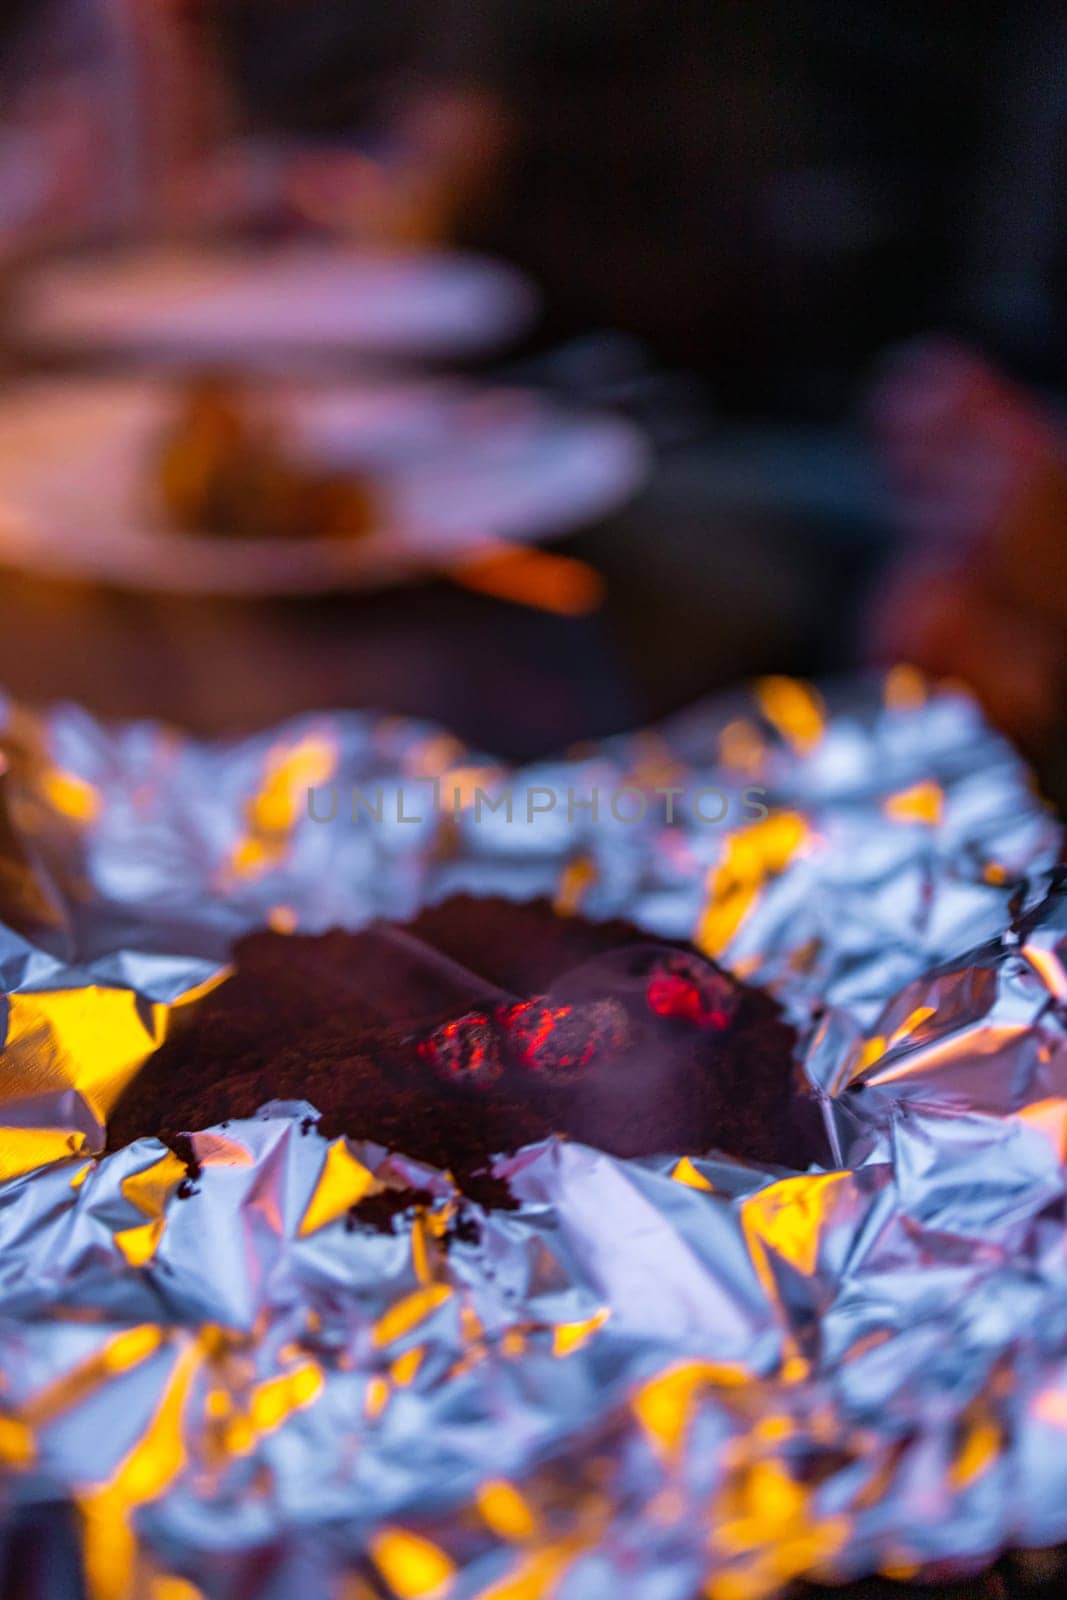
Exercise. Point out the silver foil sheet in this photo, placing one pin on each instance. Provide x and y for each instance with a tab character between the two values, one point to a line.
659	1379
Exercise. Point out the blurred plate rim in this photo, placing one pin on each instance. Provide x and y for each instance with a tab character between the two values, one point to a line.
52	308
157	559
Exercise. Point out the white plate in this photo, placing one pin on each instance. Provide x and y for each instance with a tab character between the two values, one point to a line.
188	306
456	467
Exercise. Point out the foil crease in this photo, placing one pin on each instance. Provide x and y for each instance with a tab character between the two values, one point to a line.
667	1377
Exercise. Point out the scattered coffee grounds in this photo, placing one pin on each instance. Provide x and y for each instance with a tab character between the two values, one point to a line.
481	1026
381	1212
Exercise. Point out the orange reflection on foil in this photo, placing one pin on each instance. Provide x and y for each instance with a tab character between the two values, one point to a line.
767	1524
405	1368
685	1172
377	1397
535	1576
148	1469
905	688
291	770
751	856
790	1218
162	1587
275	1400
120	1354
23	1150
1048	964
873	1050
406	1314
506	1512
1049	1119
922	802
151	1188
420	1248
343	1182
576	879
911	1025
17	1445
569	1336
70	795
794	708
879	1045
138	1244
979	1448
664	1406
91	1039
414	1568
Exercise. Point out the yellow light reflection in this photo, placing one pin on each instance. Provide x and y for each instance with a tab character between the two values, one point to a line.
138	1244
980	1448
789	1217
343	1182
794	708
162	1587
74	797
148	1190
377	1397
535	1576
120	1354
414	1568
90	1039
576	879
506	1512
569	1336
23	1150
151	1188
1049	1119
406	1314
17	1446
922	802
275	1400
291	770
752	855
405	1368
766	1523
685	1172
665	1404
149	1468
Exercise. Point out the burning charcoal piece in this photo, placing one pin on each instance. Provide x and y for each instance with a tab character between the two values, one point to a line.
466	1050
482	1026
565	1039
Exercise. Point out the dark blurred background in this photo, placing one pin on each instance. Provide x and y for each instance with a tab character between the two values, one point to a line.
768	194
816	254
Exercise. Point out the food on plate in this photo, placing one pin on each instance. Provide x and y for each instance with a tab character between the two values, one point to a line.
222	468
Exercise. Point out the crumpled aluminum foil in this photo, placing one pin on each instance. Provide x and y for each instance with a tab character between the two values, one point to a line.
658	1378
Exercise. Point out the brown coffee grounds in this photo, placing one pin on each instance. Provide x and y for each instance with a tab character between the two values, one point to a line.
481	1026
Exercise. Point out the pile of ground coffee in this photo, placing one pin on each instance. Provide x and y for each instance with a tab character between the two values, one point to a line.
481	1026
